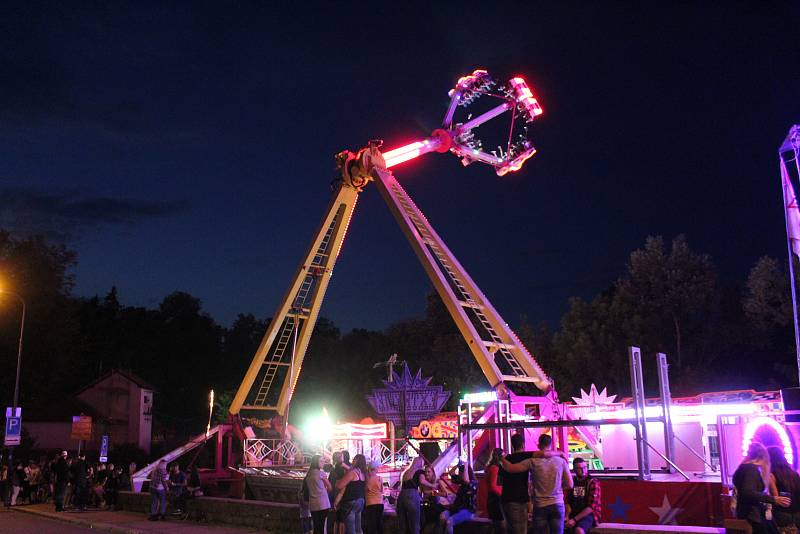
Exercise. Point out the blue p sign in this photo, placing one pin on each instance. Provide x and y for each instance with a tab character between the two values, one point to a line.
13	430
104	449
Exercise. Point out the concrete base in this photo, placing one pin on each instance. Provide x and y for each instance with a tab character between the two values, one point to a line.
272	517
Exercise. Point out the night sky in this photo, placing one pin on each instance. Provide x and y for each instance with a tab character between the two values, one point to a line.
190	147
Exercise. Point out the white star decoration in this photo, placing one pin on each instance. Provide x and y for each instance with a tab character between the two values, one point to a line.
667	515
593	398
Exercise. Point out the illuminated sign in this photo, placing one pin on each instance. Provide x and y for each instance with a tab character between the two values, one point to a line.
407	399
81	427
356	431
483	396
436	429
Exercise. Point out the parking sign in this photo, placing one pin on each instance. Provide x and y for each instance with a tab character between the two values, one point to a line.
13	427
104	449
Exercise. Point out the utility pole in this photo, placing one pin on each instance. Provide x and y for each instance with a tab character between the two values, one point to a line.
16	389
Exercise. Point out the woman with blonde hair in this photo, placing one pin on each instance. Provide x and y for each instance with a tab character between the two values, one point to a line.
751	478
373	502
408	502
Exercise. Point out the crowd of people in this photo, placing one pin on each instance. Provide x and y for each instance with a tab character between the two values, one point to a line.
67	482
342	497
347	497
562	501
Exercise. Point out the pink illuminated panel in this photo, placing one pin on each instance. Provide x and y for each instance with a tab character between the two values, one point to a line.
525	98
752	428
357	431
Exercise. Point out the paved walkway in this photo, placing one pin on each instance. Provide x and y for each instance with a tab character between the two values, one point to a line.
126	522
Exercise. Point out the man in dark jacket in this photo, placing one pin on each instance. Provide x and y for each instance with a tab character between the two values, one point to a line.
61	478
80	481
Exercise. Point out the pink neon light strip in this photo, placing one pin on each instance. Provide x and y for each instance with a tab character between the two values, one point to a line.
410	151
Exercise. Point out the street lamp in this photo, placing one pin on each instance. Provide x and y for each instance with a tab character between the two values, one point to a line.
16	383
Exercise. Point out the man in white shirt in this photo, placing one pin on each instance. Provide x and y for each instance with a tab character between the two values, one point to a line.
551	476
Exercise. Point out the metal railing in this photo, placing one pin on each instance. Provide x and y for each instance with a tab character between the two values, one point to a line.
267	452
264	452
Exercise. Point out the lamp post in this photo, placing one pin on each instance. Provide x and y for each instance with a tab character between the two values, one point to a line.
16	386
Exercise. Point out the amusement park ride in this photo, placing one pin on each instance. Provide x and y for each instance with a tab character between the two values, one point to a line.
264	396
270	381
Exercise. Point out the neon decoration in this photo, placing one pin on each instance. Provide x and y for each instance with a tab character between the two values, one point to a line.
347	431
530	106
752	428
483	396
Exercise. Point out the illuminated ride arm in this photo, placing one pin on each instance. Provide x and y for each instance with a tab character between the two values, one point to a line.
501	355
270	380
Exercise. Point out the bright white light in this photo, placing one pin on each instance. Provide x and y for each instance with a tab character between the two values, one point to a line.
319	428
753	426
483	396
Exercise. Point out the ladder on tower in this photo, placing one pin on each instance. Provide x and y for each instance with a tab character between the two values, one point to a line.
486	333
266	386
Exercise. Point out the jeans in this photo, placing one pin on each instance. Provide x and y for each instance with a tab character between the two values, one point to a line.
408	511
14	494
457	518
550	518
373	519
158	501
516	517
351	510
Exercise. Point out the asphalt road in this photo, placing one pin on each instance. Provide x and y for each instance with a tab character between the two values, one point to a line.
20	523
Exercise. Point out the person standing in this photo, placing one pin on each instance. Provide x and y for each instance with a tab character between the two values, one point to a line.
60	480
514	497
177	487
34	476
373	503
551	476
750	480
80	482
158	491
583	500
785	482
111	487
408	502
318	489
494	506
352	487
337	472
17	481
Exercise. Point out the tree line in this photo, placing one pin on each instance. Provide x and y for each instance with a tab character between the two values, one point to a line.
718	333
